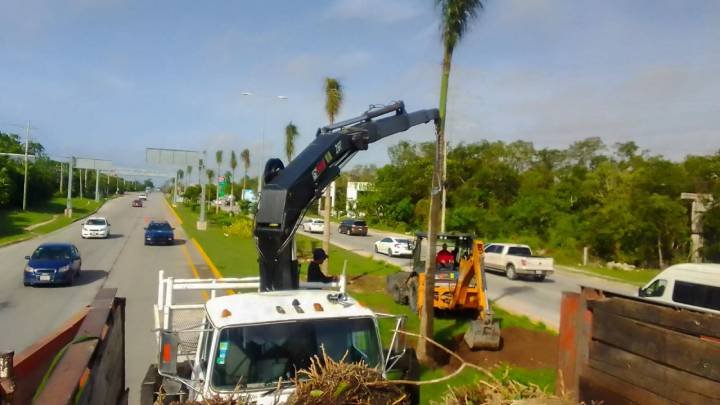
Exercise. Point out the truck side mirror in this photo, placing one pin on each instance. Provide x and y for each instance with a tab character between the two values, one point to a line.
167	358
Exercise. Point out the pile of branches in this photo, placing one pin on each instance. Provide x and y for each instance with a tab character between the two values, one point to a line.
503	391
327	381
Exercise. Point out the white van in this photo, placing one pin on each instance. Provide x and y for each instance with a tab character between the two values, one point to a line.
691	285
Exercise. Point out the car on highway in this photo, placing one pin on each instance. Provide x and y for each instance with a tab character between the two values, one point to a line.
52	263
159	232
137	203
691	285
517	261
314	225
95	227
143	197
353	227
393	246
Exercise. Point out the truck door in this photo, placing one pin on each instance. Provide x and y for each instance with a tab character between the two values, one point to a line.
493	257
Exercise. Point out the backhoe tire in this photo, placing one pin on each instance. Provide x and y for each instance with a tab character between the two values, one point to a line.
510	272
412	286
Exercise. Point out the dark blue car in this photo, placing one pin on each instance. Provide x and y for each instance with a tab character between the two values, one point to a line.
52	263
159	232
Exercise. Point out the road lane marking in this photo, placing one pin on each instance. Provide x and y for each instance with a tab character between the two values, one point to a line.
177	217
186	253
209	262
205	257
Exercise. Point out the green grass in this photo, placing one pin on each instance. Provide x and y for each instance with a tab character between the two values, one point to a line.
14	222
545	378
635	277
235	256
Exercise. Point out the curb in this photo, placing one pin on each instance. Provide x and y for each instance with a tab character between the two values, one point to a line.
37	235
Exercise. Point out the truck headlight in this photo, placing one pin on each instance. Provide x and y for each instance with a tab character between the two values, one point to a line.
64	268
29	269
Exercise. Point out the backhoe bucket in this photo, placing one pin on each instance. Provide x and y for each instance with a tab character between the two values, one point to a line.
483	334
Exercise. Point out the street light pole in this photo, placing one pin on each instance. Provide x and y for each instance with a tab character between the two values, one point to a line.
97	184
201	223
25	180
261	158
68	206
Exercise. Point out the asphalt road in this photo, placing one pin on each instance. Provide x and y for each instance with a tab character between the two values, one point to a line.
538	300
122	261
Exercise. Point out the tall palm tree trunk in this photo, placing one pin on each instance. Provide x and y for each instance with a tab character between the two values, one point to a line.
426	312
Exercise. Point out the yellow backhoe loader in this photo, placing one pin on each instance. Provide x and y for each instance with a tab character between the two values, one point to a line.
459	285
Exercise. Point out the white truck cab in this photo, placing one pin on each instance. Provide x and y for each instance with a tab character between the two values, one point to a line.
690	285
251	344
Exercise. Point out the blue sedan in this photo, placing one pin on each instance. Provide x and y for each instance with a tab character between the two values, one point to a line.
52	263
159	232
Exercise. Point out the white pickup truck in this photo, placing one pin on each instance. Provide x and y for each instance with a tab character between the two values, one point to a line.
517	260
250	344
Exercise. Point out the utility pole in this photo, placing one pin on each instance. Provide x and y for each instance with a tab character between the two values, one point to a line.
25	180
700	204
68	207
201	225
61	177
80	174
97	184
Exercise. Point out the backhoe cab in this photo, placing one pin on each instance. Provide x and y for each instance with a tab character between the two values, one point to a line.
460	285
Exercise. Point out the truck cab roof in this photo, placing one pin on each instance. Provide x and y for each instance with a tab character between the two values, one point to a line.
277	306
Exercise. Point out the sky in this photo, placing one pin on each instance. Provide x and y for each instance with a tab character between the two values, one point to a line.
107	79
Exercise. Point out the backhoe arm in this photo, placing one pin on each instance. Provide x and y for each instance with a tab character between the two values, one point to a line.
288	191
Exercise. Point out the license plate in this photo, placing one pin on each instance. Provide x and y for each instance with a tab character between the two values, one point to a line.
44	277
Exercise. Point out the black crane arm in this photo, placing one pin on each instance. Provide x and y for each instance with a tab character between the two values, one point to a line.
288	191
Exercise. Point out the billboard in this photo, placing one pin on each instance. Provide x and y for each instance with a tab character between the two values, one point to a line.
94	164
171	157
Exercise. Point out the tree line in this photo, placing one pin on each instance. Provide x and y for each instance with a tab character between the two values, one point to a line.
621	202
44	176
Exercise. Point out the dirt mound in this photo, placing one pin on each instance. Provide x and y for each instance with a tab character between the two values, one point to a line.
520	347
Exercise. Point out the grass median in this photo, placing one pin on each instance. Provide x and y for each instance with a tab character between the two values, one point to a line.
235	256
15	224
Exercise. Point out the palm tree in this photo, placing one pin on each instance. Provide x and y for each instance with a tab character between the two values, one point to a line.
180	175
210	175
233	166
245	156
291	133
188	171
333	102
455	17
218	160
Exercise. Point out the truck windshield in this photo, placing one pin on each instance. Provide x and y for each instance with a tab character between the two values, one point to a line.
258	355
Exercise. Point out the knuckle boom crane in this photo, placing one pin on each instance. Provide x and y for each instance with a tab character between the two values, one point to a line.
287	192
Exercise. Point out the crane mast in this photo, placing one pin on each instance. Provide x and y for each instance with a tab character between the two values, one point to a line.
288	191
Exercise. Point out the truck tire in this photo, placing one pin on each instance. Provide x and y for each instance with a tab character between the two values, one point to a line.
390	253
412	295
510	271
540	277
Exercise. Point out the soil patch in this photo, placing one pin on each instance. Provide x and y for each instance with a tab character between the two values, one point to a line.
520	347
366	283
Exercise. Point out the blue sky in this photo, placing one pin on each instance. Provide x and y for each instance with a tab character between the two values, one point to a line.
108	78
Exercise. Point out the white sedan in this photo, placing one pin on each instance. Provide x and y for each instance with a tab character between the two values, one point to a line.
314	226
394	247
95	227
